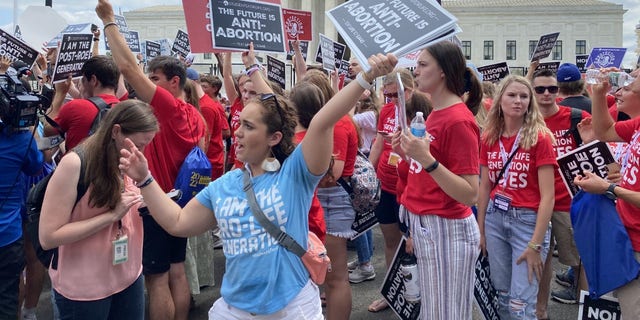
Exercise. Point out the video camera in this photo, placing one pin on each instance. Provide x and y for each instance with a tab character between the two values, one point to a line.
19	106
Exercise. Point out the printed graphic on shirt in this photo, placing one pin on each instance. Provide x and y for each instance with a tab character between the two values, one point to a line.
632	163
515	175
564	144
240	237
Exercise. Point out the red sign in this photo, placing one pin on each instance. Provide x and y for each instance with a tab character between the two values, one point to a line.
297	23
197	13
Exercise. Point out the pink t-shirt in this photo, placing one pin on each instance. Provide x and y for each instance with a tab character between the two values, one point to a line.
85	268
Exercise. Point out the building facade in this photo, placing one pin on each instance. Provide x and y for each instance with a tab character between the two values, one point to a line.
493	30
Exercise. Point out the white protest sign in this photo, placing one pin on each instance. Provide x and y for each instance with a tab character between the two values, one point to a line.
33	19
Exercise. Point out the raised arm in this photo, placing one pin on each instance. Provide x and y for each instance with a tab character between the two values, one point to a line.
298	60
603	124
227	77
318	142
56	104
191	220
254	72
122	55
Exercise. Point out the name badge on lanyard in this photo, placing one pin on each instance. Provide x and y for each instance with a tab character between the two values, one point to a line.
120	247
501	200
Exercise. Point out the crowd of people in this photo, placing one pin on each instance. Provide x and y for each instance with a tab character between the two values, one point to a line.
489	149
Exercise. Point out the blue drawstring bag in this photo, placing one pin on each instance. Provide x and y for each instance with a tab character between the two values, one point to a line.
603	243
194	175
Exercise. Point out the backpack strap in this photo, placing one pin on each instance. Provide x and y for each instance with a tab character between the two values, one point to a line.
102	107
576	117
81	189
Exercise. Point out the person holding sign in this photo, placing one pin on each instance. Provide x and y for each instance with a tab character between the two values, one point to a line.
517	165
99	236
628	191
441	183
265	280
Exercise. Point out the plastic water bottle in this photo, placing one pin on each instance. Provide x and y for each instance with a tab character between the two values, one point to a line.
409	270
418	127
616	79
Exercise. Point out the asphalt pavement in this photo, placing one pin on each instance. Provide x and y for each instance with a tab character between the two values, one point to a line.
362	294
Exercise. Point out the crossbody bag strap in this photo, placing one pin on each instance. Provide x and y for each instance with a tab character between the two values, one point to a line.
504	167
282	237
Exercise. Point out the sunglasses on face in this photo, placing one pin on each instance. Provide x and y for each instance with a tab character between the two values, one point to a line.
390	95
542	89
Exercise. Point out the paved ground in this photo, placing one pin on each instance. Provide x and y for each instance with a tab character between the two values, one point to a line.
362	293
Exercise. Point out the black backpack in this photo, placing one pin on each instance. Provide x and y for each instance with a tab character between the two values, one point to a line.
103	108
576	117
49	258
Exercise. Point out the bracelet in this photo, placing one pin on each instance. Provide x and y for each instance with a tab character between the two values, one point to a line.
432	167
534	246
362	82
252	69
96	39
147	181
104	29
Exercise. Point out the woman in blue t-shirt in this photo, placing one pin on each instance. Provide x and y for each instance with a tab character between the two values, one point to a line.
262	277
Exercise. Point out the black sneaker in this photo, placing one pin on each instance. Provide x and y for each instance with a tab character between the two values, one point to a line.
566	296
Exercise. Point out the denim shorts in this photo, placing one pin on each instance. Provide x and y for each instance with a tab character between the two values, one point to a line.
338	211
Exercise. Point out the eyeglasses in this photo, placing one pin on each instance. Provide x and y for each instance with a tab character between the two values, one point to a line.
542	89
390	95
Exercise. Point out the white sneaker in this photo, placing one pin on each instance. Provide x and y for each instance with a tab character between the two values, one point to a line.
353	265
362	273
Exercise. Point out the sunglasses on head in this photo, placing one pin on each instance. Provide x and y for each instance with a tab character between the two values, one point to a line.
542	89
390	95
268	96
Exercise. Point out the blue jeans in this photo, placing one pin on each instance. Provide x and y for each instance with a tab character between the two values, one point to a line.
507	234
364	246
126	305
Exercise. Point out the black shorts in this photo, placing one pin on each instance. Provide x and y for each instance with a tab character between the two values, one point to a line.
160	249
388	208
11	265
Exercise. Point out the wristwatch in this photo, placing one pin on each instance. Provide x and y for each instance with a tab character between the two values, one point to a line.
610	193
535	246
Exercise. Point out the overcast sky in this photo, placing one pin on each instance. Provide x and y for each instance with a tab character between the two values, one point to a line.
80	11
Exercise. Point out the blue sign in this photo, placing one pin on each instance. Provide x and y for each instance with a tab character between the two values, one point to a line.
605	57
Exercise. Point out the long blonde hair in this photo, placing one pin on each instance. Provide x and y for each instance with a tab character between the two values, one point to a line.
533	121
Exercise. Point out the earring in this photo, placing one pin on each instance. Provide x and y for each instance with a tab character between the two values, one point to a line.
270	164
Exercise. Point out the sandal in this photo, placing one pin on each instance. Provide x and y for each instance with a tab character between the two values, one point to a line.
378	305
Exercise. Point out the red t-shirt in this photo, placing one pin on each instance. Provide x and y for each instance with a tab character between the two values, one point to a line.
174	141
559	123
317	224
76	116
520	183
216	122
630	131
455	145
387	172
345	144
234	124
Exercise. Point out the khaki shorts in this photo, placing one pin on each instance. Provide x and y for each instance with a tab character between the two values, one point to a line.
562	231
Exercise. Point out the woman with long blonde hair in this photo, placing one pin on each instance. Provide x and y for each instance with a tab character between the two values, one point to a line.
516	196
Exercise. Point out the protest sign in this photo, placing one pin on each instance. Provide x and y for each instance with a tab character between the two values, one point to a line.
581	62
39	24
75	50
597	309
592	157
197	14
14	49
401	106
181	44
393	287
122	23
483	290
17	33
553	66
152	49
409	60
276	71
544	46
304	47
344	68
132	38
399	27
332	47
237	23
363	222
494	72
605	57
297	24
72	28
165	46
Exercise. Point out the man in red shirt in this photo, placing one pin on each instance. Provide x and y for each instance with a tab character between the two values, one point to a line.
100	77
558	120
181	128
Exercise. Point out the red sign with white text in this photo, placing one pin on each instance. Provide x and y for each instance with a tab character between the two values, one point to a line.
297	23
197	15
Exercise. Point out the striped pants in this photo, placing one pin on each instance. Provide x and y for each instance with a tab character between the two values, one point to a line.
447	250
